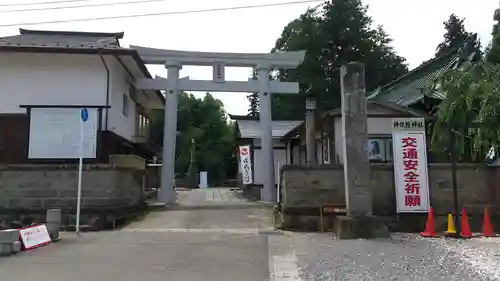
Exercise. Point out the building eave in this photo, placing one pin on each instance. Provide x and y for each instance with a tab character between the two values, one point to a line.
83	51
117	35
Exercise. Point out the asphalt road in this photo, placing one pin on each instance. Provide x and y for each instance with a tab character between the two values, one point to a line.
213	235
216	235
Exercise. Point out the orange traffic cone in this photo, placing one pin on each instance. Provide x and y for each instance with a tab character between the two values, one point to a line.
465	227
429	226
487	227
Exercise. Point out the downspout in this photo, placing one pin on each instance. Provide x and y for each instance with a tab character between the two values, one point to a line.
106	114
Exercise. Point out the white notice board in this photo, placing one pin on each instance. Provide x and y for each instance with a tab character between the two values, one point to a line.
55	133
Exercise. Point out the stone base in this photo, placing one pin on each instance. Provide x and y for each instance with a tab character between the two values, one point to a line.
156	206
367	227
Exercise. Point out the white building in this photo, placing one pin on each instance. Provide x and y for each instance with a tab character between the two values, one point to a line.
249	132
46	77
328	129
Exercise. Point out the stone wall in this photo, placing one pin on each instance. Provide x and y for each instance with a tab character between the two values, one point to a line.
40	187
313	185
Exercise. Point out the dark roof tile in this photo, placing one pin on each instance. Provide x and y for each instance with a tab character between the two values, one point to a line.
66	39
409	88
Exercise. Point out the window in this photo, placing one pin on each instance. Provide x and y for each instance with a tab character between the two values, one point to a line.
125	105
143	124
380	149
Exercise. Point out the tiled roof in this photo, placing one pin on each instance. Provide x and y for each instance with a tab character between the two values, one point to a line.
409	88
385	104
63	39
251	128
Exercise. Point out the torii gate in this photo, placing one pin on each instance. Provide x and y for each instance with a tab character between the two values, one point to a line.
262	63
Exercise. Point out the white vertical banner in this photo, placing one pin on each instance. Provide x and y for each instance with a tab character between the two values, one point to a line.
246	164
410	165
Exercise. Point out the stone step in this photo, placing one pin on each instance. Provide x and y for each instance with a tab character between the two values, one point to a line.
9	236
156	206
6	249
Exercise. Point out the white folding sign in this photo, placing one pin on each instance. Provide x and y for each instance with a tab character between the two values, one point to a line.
410	165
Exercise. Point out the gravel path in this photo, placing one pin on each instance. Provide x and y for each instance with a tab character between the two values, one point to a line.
403	257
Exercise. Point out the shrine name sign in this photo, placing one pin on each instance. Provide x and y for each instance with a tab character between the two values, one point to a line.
410	165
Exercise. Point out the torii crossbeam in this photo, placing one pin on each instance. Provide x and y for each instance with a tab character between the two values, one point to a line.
262	63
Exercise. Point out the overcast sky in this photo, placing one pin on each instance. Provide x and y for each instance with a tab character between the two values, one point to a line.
415	26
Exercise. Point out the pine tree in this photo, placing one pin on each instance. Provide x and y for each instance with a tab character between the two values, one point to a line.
333	34
454	36
493	53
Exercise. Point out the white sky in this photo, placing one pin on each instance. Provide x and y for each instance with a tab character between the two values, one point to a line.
415	26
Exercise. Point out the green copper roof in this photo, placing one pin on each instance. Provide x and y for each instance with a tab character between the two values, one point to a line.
409	88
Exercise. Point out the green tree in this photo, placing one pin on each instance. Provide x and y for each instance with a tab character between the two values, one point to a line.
332	35
205	121
454	36
471	109
493	52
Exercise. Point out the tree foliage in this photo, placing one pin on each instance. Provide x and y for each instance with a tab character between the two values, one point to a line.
471	109
332	35
493	52
205	121
454	36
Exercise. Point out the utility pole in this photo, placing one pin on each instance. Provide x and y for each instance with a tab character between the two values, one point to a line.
453	156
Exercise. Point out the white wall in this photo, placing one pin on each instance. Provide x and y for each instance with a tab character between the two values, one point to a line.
63	79
50	79
118	122
276	143
375	126
279	157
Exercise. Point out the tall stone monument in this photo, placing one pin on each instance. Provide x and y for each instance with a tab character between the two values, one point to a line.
359	222
311	153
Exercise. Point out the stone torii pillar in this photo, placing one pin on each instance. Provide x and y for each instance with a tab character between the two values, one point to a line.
262	63
266	138
166	195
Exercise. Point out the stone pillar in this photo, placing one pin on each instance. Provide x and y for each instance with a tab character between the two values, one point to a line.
359	222
166	192
269	191
311	153
288	152
354	131
53	220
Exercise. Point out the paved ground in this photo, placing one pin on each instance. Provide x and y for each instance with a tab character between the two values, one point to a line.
215	235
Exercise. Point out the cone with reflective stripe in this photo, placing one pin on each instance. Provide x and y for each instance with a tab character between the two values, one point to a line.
429	226
487	226
451	231
465	227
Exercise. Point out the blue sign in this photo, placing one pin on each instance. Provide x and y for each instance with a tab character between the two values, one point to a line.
84	114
